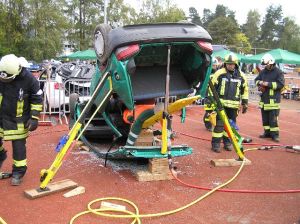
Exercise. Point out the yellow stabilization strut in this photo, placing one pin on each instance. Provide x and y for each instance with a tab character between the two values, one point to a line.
47	175
173	107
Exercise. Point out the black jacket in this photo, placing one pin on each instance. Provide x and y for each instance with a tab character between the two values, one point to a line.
270	95
20	100
232	88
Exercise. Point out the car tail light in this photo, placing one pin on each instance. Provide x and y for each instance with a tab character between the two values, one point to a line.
127	51
58	85
206	46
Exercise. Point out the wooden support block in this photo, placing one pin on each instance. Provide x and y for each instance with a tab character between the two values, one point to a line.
229	162
147	176
74	192
145	138
108	205
51	188
158	165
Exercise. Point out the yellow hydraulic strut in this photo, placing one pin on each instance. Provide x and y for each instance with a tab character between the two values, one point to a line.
165	116
47	175
222	114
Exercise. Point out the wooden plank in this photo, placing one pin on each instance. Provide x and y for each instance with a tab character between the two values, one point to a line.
147	176
52	188
74	192
229	162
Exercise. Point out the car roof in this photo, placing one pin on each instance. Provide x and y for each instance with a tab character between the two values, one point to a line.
159	32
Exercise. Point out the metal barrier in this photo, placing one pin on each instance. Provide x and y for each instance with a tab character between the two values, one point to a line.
57	96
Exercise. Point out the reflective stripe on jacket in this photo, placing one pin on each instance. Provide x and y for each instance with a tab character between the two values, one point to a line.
271	96
232	88
20	100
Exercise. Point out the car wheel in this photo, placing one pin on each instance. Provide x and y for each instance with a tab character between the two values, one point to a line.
73	100
100	42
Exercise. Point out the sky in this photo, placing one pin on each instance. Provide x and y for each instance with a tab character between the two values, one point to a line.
290	8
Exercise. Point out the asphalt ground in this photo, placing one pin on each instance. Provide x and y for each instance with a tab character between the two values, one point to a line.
271	170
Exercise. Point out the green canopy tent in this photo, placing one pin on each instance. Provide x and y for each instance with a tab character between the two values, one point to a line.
84	55
280	56
223	53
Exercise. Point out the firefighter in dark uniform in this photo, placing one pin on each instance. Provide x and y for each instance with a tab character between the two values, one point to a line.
208	106
232	88
270	81
20	105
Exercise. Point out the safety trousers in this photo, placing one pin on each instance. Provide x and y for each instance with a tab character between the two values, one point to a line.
270	122
218	132
19	156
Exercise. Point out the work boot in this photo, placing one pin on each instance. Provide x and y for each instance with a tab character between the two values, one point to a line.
228	146
276	139
3	157
265	135
216	147
16	179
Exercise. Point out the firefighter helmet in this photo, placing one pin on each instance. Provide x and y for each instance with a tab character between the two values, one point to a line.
23	62
267	59
231	59
9	67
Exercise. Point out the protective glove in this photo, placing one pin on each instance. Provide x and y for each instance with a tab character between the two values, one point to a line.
262	83
32	124
261	89
244	108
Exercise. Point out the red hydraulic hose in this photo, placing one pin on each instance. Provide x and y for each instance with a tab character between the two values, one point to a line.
234	190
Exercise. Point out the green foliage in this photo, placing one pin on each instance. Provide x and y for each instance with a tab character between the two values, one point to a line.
252	26
37	29
242	44
290	36
272	24
159	11
223	31
194	16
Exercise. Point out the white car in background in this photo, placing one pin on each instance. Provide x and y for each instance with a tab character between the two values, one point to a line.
64	80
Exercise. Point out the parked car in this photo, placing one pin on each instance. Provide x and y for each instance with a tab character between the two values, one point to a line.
65	79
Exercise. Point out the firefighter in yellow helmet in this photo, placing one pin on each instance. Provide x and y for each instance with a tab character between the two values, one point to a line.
20	105
208	106
232	88
270	81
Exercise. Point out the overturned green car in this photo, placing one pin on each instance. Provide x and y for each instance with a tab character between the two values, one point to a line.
144	74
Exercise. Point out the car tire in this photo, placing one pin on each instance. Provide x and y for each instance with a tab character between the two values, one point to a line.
100	42
73	100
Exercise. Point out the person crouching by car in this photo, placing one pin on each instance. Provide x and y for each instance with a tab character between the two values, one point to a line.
20	106
270	81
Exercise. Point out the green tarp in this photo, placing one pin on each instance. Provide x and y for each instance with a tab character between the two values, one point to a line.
280	56
84	55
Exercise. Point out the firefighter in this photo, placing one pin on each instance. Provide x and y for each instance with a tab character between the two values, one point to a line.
232	88
270	81
20	105
208	106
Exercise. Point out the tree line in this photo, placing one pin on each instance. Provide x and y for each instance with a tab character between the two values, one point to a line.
37	29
